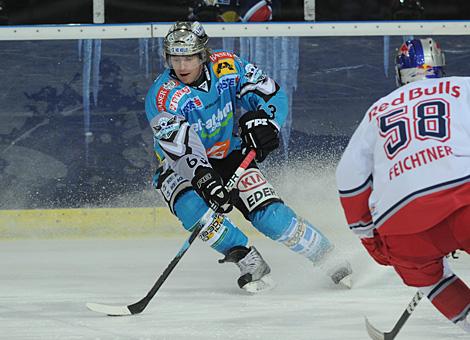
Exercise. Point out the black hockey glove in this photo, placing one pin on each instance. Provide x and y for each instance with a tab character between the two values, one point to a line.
258	132
209	185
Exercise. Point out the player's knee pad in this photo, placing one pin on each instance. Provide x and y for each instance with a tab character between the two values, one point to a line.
450	296
280	223
255	192
219	232
170	185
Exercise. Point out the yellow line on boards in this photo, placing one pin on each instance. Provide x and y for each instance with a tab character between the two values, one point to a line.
94	222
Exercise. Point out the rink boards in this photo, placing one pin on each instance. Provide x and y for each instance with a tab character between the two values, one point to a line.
95	222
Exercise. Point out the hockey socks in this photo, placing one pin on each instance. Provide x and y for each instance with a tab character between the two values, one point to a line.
302	238
451	297
305	240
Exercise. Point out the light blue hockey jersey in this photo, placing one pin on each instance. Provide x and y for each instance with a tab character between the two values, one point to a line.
210	107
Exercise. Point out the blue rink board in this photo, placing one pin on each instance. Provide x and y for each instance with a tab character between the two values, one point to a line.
73	131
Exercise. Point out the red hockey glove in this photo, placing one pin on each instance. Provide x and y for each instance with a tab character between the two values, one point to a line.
375	248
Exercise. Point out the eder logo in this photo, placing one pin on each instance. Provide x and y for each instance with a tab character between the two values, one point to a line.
224	67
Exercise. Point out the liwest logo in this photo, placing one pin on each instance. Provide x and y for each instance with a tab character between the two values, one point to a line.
225	83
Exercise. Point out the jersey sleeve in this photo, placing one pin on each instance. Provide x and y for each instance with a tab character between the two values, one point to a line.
174	140
355	181
257	91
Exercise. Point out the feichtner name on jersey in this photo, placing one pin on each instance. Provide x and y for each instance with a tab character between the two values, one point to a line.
443	87
418	159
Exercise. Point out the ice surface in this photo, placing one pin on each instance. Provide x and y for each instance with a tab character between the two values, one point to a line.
45	285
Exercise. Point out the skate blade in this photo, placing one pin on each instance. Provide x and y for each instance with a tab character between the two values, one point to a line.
345	282
262	285
342	275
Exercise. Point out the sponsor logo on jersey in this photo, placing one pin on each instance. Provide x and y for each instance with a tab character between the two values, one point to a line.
254	189
177	97
224	67
214	57
170	84
250	180
191	105
211	127
162	96
219	150
444	87
225	83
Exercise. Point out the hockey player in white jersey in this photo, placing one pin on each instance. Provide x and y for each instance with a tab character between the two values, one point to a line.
404	178
191	110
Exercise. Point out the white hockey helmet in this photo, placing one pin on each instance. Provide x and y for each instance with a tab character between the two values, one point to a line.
185	38
419	59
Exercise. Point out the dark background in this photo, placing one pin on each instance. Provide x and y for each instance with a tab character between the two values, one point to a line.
19	12
46	160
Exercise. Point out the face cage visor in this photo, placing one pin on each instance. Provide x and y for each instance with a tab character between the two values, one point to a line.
409	75
174	60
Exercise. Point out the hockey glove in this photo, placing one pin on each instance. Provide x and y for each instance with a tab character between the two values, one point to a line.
209	185
258	132
375	248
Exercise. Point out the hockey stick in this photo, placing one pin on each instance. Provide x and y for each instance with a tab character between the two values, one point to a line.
140	305
375	334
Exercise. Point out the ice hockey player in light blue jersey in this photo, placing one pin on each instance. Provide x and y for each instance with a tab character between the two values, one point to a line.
191	108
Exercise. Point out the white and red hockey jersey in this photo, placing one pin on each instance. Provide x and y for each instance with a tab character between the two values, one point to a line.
407	166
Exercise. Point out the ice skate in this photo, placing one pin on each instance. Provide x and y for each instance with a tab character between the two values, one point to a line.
254	270
341	274
339	270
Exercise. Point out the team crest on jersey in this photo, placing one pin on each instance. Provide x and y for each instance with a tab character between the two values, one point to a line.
224	67
191	105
